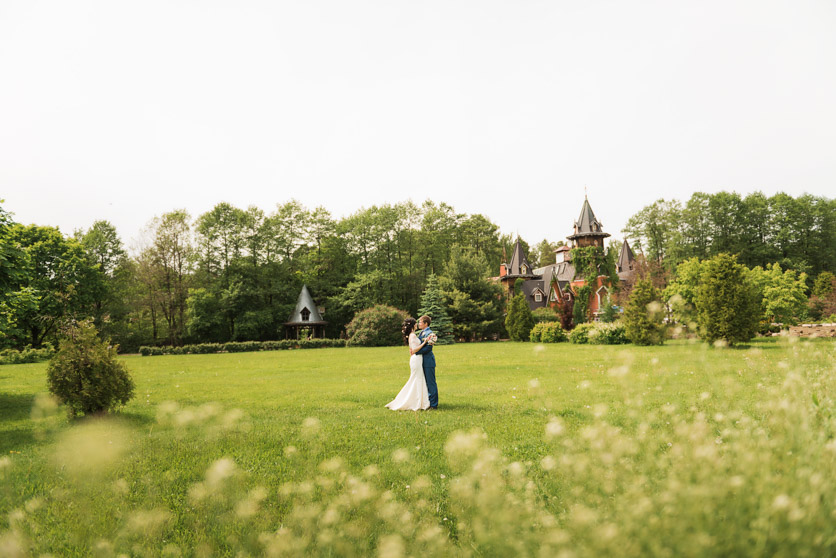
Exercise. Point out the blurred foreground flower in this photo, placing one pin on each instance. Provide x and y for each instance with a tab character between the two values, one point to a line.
93	447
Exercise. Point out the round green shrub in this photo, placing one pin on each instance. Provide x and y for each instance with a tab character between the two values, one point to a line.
608	334
378	326
86	375
580	335
548	332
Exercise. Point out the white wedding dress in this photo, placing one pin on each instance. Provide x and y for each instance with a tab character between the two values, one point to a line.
414	395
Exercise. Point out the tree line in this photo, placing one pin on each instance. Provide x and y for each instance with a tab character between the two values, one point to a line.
797	233
234	274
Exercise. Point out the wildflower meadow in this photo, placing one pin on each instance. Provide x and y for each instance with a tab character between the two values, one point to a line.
536	450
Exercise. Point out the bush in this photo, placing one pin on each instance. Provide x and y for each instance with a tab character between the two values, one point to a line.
86	375
378	326
548	332
580	335
643	315
608	334
536	331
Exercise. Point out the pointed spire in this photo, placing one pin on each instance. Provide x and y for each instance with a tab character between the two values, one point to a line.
306	311
587	224
519	264
625	258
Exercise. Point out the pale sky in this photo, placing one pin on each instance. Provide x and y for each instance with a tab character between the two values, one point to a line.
126	110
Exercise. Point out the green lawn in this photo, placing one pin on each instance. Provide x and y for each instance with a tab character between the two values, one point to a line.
674	450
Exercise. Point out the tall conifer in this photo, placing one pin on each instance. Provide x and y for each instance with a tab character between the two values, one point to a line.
432	305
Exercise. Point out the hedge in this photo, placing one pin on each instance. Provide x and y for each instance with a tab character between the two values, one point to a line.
242	347
27	355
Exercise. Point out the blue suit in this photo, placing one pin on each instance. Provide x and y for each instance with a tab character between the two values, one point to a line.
429	366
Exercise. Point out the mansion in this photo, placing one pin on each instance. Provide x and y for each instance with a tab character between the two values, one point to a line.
543	286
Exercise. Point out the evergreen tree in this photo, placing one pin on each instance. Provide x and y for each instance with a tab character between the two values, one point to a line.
432	305
609	313
643	315
519	320
86	375
728	307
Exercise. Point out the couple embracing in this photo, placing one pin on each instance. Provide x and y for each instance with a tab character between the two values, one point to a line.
420	391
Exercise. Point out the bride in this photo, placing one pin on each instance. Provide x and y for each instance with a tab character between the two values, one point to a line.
414	395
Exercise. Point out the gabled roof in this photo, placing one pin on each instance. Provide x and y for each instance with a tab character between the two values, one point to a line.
563	271
587	224
625	257
305	301
529	288
518	260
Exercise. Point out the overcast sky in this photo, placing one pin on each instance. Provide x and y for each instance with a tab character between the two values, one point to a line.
126	110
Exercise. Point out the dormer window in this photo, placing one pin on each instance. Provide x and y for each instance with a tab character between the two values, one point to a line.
538	297
306	314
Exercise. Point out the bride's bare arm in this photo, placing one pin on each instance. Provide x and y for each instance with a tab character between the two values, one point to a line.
416	349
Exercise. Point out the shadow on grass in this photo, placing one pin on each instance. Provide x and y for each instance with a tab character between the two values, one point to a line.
135	419
15	406
15	439
461	406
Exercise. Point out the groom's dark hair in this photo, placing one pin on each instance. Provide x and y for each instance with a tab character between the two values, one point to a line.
426	319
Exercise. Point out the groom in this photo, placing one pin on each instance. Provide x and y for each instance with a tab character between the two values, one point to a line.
429	360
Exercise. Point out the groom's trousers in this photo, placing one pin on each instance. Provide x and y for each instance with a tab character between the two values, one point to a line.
429	375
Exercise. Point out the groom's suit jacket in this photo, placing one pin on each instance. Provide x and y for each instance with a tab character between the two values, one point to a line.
426	350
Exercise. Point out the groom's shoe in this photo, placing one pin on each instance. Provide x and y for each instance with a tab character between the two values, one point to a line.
432	409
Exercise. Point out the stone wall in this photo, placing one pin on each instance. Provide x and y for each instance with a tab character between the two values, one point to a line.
813	330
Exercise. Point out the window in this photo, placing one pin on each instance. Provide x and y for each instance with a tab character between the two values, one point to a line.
538	297
306	314
553	296
602	294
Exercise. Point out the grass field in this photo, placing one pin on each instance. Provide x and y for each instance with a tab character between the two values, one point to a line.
681	450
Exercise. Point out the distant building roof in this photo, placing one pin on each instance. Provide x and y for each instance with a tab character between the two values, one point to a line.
519	266
306	312
563	272
587	224
625	257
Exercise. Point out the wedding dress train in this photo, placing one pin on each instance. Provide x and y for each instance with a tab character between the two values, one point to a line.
413	395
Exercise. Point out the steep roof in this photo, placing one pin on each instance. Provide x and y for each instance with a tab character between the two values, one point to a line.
587	224
625	266
305	302
625	257
564	272
518	260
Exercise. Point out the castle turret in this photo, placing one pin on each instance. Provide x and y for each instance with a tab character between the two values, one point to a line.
588	230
